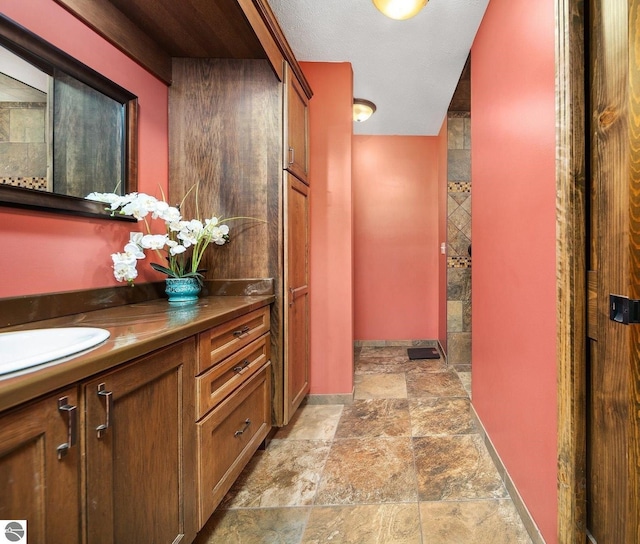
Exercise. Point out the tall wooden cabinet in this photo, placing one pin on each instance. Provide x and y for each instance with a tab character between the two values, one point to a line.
296	241
232	123
296	279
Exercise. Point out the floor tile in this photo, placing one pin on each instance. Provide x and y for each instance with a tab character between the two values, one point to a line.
380	386
435	384
389	365
403	464
472	522
313	422
438	416
375	418
374	470
371	524
454	468
383	351
285	474
255	526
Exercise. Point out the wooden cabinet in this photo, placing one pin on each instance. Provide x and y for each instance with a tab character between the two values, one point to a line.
40	468
140	439
296	127
233	403
297	288
296	243
144	451
237	107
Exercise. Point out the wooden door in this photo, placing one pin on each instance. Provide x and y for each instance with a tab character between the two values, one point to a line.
140	444
613	369
297	291
296	125
40	468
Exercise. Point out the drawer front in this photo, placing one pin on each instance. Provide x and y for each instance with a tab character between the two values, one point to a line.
229	436
220	380
221	341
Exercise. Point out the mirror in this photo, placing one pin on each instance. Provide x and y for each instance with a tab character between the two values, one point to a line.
65	130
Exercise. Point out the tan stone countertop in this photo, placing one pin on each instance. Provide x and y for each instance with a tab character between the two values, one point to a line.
136	330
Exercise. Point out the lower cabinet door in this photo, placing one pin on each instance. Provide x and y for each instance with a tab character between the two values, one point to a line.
229	436
140	438
40	470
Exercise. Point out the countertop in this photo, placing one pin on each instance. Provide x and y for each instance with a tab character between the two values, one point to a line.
136	330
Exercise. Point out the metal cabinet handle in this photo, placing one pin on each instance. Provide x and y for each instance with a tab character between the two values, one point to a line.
108	400
292	155
242	331
241	367
72	426
247	422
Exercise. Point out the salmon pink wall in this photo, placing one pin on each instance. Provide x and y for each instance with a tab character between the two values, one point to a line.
442	149
396	237
514	287
43	252
331	282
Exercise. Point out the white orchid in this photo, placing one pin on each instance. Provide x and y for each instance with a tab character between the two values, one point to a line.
154	241
124	267
184	241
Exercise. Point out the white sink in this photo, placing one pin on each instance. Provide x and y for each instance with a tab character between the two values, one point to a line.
25	349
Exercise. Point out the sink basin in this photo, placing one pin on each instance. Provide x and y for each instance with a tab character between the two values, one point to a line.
25	349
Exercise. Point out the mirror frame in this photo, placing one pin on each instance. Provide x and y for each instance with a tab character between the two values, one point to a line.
46	56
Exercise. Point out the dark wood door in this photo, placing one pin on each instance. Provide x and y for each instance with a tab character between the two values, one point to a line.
613	374
297	289
140	440
40	468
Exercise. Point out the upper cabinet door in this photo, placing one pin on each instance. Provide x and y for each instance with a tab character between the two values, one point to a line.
296	127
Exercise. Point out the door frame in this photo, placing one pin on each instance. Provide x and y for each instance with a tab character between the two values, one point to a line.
571	277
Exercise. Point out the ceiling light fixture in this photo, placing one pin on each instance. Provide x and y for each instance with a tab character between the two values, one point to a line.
400	9
362	109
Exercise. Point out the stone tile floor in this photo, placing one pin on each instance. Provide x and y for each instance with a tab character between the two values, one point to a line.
403	464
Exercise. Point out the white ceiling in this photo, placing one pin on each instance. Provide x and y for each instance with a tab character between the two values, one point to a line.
409	69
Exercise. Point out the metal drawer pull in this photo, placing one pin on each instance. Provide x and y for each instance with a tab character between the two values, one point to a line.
240	368
292	155
247	422
242	331
72	426
108	405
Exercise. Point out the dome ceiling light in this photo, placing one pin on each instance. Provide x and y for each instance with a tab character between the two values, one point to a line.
400	9
362	109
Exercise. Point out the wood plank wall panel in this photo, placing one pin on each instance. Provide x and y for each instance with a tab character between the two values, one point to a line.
612	456
634	259
226	133
571	280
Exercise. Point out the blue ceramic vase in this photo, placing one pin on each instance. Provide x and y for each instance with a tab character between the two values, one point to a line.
182	290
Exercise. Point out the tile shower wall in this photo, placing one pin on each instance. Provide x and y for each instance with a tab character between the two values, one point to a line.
459	238
23	148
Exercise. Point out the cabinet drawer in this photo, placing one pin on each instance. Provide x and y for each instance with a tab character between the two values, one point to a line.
220	380
221	341
229	436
